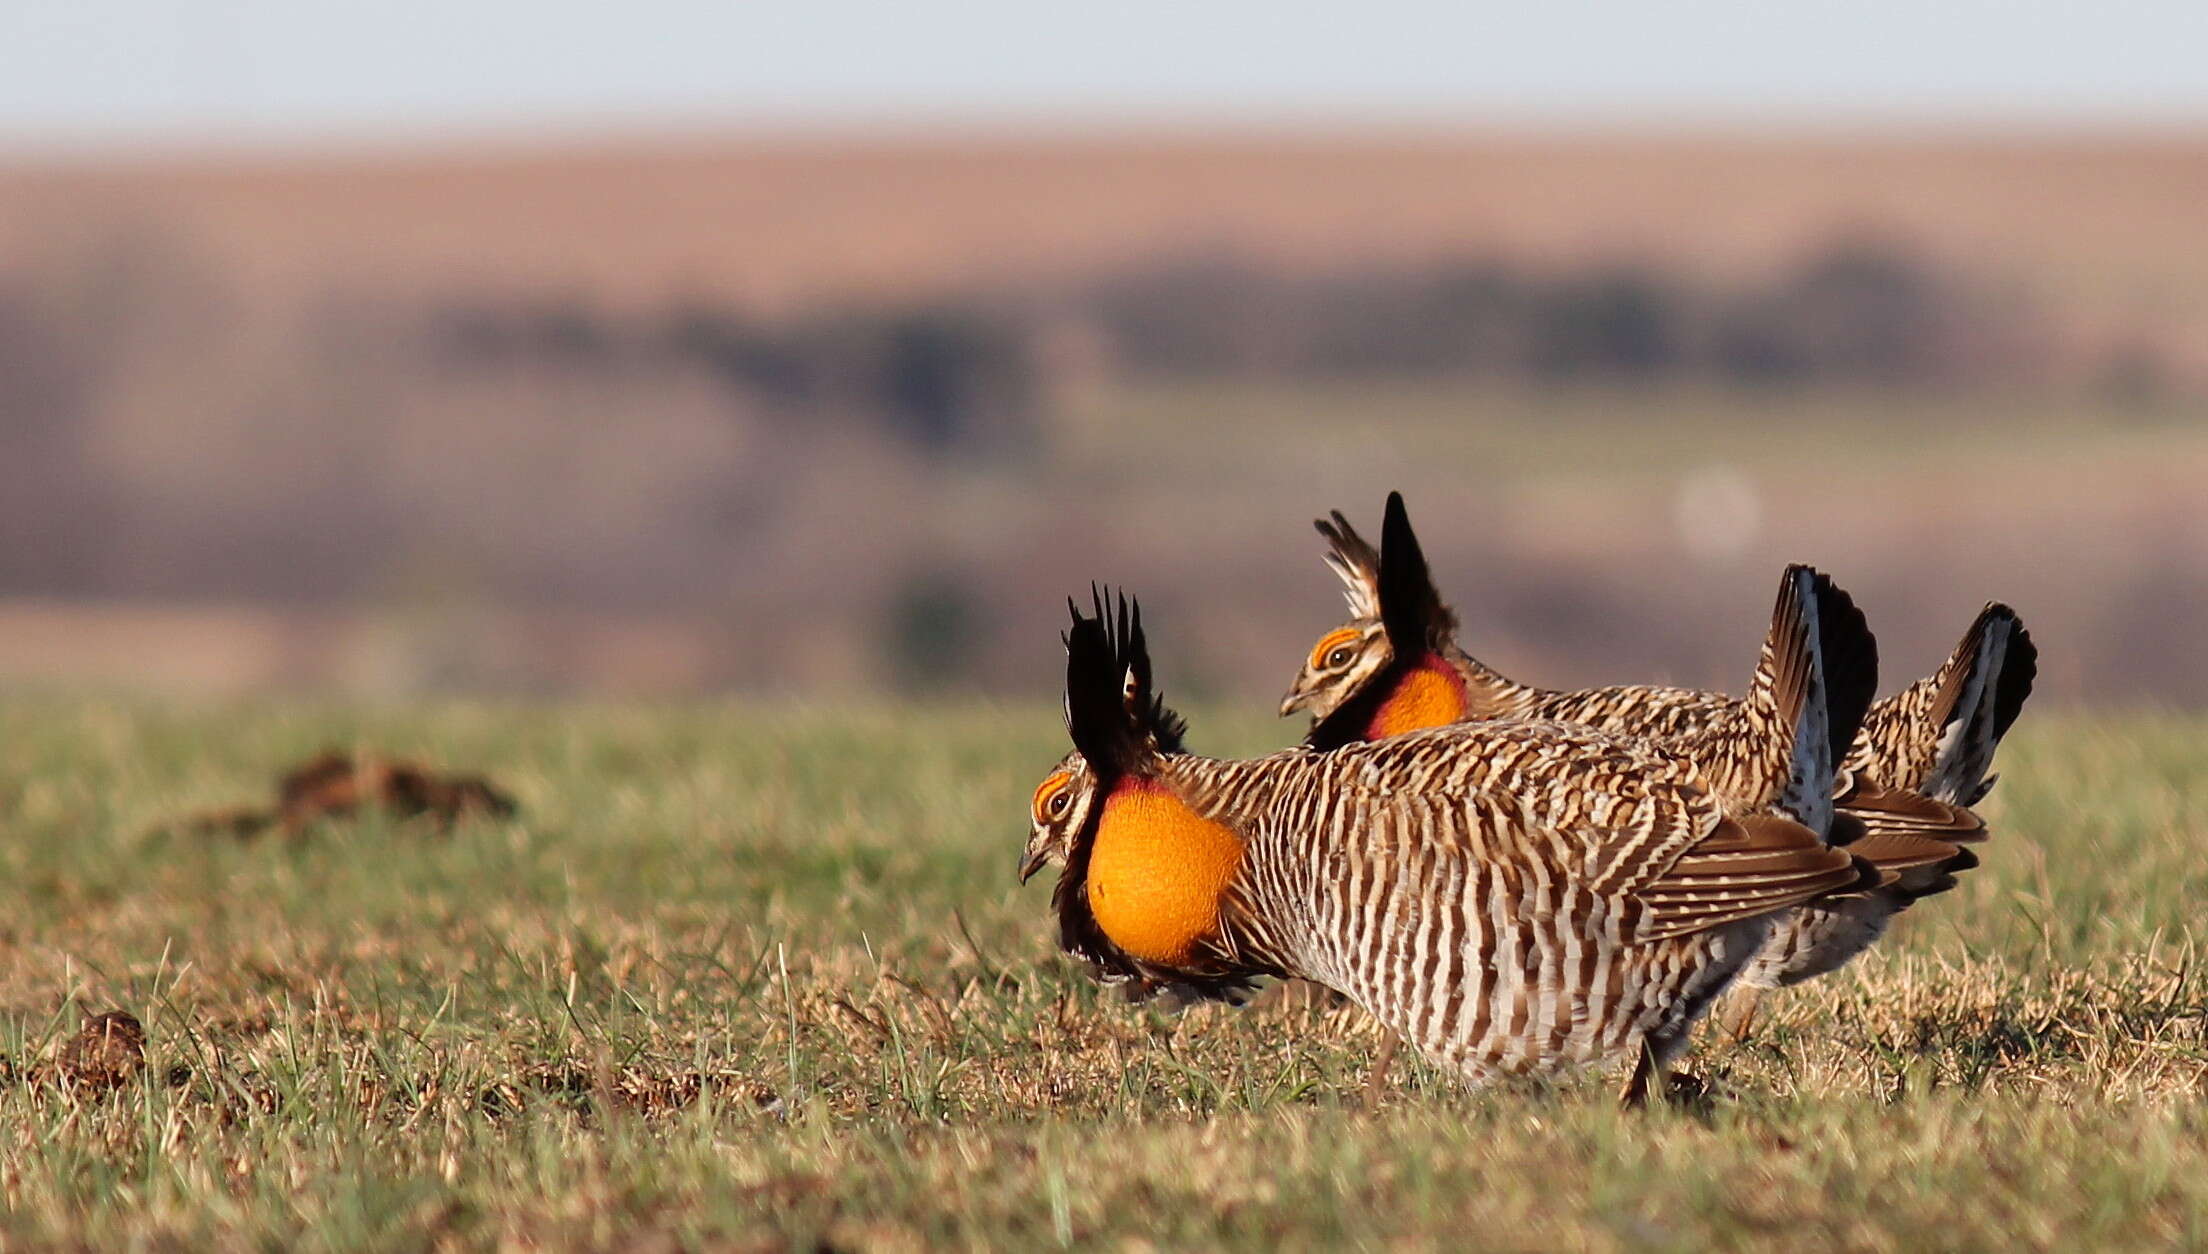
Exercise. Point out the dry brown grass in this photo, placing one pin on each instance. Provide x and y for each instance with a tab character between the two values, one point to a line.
759	978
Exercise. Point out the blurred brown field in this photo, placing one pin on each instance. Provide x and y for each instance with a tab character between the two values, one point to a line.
2106	221
845	414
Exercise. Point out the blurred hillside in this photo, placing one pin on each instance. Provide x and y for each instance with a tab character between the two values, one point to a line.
845	416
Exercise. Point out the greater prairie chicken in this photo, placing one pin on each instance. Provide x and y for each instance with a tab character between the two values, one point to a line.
1935	737
1397	665
1513	898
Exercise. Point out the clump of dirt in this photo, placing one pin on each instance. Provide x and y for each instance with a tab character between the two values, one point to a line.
335	785
108	1052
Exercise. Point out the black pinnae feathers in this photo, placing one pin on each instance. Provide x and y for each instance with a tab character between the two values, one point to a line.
1410	607
1164	728
1113	712
1404	579
1096	716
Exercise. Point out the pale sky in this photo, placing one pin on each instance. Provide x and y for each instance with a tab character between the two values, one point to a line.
139	70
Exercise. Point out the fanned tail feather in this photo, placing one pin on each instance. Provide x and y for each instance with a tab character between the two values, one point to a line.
1981	690
1812	688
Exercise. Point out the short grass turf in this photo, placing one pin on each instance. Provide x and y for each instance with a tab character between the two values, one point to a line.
759	977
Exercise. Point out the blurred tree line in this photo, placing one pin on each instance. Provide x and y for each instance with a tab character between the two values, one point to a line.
159	438
963	378
948	380
1859	311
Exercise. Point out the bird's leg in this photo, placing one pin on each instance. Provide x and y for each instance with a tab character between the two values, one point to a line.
1376	1082
1646	1073
1738	1016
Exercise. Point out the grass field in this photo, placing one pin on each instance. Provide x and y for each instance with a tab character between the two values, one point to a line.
760	977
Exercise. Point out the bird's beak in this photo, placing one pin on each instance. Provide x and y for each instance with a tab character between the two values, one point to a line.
1033	862
1295	700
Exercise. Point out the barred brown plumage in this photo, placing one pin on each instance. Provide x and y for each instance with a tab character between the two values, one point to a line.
1917	760
1938	735
1512	897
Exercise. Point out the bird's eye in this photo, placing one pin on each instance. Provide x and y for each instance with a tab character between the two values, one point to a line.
1335	648
1050	799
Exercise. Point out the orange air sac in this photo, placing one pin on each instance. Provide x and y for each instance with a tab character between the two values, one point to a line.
1157	872
1427	697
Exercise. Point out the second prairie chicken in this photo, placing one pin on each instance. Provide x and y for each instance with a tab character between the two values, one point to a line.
1512	898
1922	755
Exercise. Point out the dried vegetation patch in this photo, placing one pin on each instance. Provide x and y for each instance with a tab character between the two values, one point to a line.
755	979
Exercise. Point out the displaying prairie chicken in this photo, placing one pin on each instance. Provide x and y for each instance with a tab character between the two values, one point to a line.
1922	755
1512	898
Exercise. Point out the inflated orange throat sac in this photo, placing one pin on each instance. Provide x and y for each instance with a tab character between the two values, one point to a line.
1157	872
1431	696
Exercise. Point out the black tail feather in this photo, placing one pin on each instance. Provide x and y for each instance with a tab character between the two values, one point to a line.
1850	653
1981	689
2018	670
